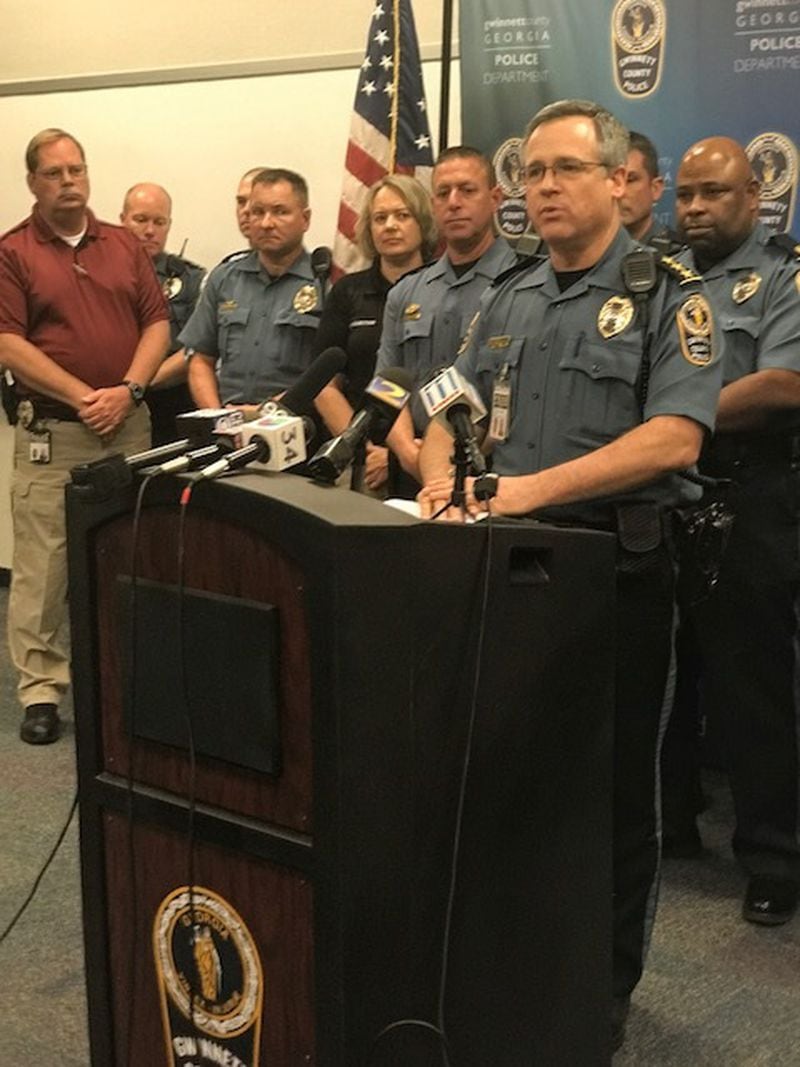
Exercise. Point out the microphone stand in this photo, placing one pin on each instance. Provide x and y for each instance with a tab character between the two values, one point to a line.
357	467
461	462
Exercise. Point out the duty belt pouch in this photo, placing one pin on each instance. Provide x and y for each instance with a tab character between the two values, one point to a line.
638	536
701	535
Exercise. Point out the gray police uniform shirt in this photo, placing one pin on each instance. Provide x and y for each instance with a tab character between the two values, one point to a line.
260	330
755	294
573	361
181	281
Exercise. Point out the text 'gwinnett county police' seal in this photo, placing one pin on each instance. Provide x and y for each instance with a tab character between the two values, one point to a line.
511	216
694	330
210	980
774	159
638	29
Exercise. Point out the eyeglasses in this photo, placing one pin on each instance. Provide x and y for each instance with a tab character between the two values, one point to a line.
568	169
54	174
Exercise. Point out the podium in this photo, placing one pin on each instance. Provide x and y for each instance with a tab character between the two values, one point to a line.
344	670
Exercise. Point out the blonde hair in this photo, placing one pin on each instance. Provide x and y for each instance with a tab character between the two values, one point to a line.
417	199
48	136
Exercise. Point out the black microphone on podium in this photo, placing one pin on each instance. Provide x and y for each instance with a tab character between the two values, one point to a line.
321	265
384	398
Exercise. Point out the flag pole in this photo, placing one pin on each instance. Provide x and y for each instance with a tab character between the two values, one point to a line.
447	58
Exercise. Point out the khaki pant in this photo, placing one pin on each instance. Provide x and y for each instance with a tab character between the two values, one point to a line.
37	614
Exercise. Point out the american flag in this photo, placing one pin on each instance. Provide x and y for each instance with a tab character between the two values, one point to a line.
389	131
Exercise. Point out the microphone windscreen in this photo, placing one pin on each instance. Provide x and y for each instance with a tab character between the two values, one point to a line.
299	398
321	261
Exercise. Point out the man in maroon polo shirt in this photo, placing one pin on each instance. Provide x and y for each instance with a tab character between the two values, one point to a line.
83	328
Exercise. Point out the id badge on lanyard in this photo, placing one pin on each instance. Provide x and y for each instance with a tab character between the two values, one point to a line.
501	405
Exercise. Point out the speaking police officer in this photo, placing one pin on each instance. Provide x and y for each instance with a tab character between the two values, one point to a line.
597	400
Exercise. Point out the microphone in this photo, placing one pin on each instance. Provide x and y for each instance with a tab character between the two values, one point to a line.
451	400
201	425
156	455
384	399
299	398
321	262
189	461
276	441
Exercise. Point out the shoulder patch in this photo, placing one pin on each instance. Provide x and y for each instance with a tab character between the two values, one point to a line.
529	263
695	330
786	243
679	271
233	256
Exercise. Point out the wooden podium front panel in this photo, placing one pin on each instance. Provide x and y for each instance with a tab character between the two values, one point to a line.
275	904
220	557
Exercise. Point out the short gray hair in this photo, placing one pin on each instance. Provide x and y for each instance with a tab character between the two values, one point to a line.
612	136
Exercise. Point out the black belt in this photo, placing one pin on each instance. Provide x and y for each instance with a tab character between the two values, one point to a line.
32	408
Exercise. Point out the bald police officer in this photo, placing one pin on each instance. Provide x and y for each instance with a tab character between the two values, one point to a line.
252	333
745	631
579	434
147	213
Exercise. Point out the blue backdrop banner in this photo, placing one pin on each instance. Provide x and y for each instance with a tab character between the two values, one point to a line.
676	70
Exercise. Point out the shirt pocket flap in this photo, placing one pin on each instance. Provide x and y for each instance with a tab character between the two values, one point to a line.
233	316
496	352
290	317
620	361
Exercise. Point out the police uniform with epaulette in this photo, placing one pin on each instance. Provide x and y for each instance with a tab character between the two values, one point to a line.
746	631
259	329
428	311
568	364
181	282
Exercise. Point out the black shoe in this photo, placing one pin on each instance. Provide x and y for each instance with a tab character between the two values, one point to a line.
770	901
619	1017
40	725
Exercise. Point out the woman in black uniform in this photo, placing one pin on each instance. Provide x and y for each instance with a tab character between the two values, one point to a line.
396	230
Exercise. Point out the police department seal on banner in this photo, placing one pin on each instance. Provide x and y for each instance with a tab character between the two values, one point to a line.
746	287
638	29
305	299
774	159
694	330
509	168
615	316
209	974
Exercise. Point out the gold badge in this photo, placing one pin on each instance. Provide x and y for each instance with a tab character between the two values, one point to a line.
171	287
694	329
228	305
615	316
412	313
497	344
746	287
797	281
305	299
468	335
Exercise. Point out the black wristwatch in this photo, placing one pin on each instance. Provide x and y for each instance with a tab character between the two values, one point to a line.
136	391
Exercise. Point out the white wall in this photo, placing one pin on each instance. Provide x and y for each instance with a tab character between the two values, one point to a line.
196	139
